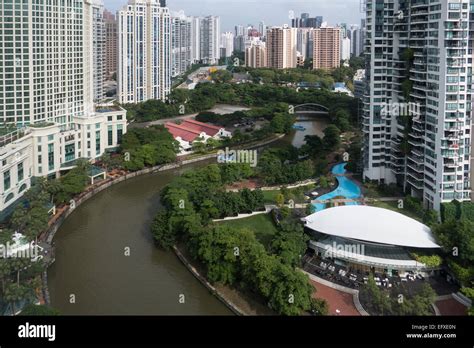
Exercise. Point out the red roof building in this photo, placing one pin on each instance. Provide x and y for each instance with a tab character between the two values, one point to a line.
185	133
201	127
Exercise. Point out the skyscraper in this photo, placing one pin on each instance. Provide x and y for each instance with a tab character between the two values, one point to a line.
181	45
354	33
303	38
144	67
326	48
418	109
52	62
281	47
209	27
94	45
111	52
227	43
346	49
262	28
239	30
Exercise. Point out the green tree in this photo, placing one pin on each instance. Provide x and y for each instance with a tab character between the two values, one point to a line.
162	230
280	199
331	138
40	310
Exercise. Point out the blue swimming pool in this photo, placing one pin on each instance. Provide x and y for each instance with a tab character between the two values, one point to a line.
346	188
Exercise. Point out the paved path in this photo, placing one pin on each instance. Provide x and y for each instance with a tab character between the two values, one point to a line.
345	299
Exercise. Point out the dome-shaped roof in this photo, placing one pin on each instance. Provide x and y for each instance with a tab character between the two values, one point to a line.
371	224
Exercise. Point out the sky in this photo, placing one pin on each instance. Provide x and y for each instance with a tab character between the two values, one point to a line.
273	12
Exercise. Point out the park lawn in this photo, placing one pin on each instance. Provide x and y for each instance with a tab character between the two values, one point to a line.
262	225
393	205
297	194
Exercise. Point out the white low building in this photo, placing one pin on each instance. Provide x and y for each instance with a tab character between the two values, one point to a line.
45	149
369	238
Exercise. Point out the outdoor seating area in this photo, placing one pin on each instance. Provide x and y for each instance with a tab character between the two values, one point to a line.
353	278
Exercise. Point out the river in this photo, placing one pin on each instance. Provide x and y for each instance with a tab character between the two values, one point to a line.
92	269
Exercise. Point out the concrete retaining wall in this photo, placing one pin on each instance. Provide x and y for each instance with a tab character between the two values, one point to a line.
204	282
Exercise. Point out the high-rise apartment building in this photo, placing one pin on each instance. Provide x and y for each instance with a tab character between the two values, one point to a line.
111	47
256	55
239	30
326	48
354	33
281	47
346	49
418	104
144	63
227	43
181	44
94	46
48	84
209	28
262	29
303	42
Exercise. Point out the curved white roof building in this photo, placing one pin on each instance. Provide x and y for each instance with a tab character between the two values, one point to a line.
373	225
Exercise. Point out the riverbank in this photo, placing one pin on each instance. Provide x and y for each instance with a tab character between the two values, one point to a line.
64	212
237	301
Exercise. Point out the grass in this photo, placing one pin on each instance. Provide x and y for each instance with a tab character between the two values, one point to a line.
296	194
394	206
262	225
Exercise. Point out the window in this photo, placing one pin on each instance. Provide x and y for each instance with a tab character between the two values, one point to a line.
110	135
9	197
50	156
50	137
6	180
20	172
97	142
119	133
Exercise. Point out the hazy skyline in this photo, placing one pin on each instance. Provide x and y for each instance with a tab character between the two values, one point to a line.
273	12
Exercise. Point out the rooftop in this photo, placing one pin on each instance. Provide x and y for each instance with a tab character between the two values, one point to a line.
184	133
372	224
201	127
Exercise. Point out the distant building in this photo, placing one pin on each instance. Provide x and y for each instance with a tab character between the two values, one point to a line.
359	84
181	45
111	47
307	22
304	42
262	29
239	30
326	48
209	39
346	49
281	47
354	34
144	69
256	56
239	43
227	42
